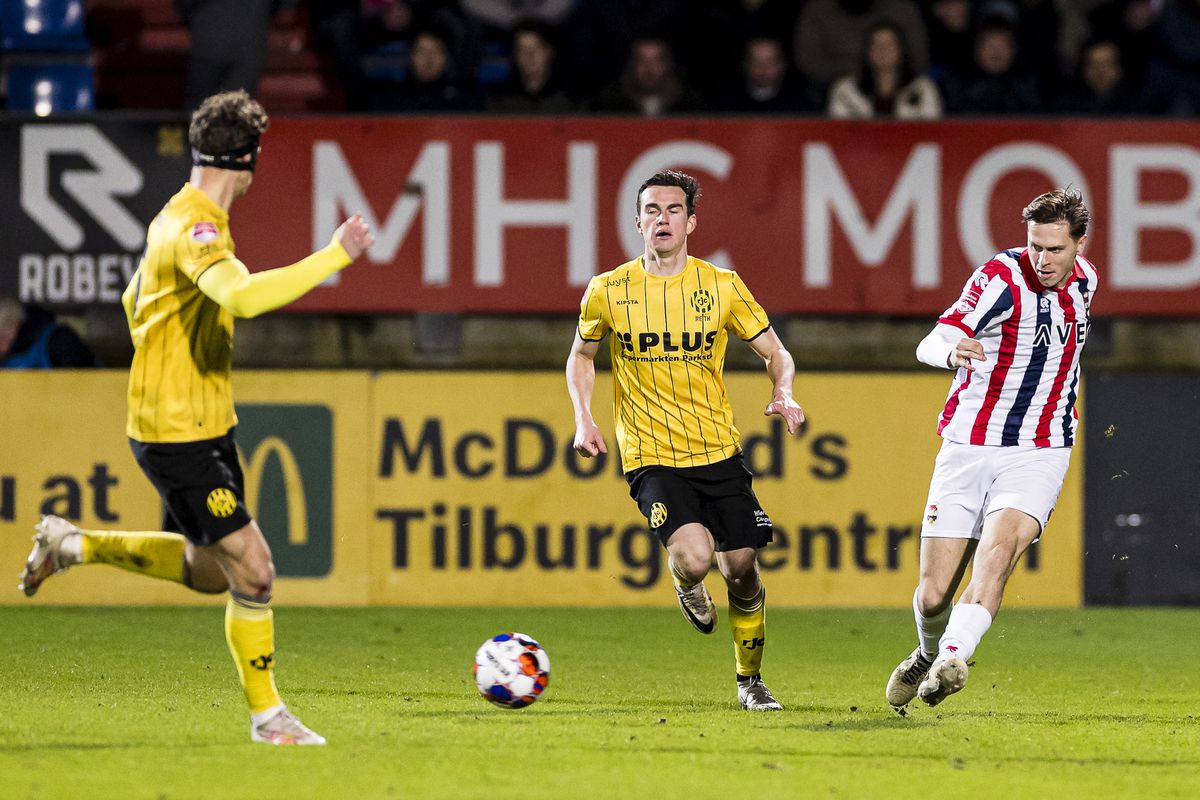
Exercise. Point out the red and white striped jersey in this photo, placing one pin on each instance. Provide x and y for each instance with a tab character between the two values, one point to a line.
1024	393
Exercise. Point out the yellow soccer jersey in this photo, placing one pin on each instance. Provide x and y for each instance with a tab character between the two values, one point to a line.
179	387
668	352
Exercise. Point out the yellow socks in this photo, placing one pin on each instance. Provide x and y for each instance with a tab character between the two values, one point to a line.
250	632
748	620
152	553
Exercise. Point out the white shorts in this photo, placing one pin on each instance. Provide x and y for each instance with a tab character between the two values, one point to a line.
971	481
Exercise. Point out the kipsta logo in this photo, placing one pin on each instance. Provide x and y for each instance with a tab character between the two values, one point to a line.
702	301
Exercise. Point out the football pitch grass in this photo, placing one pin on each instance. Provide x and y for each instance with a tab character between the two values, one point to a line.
143	703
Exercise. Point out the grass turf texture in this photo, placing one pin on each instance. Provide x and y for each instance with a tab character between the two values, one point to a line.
143	703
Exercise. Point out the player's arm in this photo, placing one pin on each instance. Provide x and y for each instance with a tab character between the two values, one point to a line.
246	294
946	347
782	371
581	380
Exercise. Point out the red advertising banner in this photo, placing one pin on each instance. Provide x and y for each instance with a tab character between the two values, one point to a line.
514	215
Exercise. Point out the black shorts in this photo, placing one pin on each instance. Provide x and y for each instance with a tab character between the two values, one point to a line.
719	496
201	486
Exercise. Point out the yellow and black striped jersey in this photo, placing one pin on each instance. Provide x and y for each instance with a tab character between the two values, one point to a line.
668	351
179	389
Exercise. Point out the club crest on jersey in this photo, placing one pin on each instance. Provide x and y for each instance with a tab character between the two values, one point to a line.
1044	304
204	232
931	513
702	301
658	515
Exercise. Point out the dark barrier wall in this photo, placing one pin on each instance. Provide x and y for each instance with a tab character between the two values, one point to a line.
1142	489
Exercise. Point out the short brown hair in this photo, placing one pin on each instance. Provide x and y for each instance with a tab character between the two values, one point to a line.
227	121
670	177
1060	205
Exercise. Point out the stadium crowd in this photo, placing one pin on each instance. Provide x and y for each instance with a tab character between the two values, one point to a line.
845	58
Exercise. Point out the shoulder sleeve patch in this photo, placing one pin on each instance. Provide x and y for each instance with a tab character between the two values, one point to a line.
205	232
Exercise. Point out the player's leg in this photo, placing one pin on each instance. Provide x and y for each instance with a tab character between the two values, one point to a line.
944	560
952	524
58	545
689	557
1007	534
1022	495
672	510
741	528
245	559
748	623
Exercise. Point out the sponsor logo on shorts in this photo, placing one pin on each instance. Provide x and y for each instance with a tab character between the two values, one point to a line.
761	520
658	515
931	513
221	503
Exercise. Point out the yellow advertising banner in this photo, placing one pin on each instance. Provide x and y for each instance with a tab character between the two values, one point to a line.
301	436
480	498
431	488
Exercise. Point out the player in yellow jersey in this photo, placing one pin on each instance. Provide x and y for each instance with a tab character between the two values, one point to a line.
668	318
180	308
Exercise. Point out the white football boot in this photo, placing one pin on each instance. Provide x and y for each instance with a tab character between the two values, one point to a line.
753	695
283	728
47	557
698	607
946	676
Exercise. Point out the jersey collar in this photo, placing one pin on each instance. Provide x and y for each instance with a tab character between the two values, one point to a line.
1031	278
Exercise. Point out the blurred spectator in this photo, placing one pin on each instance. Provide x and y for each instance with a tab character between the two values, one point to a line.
228	48
886	85
337	31
718	52
1100	87
948	23
767	84
431	82
31	338
1130	23
1037	28
994	83
830	33
533	86
1171	83
650	85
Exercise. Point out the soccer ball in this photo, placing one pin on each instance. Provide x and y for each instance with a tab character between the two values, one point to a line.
511	670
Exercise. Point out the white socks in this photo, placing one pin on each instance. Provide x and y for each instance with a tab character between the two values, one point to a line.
930	629
968	623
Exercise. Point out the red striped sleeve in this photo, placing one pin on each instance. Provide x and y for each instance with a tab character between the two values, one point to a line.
1010	328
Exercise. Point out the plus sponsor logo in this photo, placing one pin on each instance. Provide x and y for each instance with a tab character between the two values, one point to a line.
666	342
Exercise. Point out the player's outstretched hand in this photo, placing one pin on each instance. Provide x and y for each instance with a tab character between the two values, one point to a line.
789	409
355	236
966	351
589	441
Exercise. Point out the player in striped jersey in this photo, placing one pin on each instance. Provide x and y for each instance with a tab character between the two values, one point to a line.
1015	337
669	316
180	308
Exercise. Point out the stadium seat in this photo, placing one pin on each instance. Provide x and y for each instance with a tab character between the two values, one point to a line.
50	88
42	26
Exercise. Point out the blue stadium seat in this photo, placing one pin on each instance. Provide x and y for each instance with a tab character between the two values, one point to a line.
42	26
50	88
